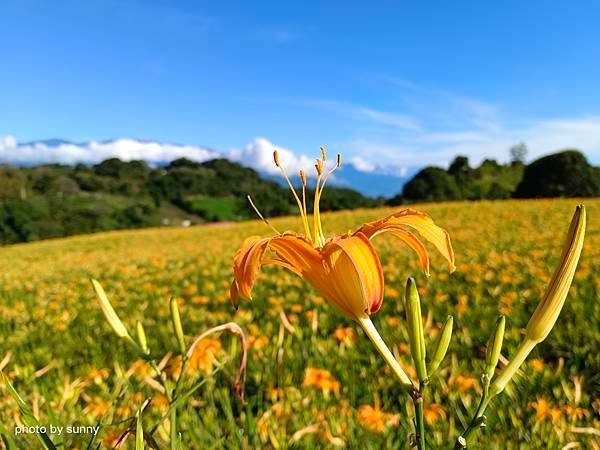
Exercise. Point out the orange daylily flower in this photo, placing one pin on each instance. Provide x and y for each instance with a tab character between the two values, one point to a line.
345	269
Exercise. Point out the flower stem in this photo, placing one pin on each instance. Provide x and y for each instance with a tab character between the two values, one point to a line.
419	423
174	439
476	421
384	351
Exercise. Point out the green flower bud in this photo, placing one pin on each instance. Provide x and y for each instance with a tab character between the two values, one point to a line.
142	337
139	432
494	347
441	345
416	339
545	315
109	312
177	328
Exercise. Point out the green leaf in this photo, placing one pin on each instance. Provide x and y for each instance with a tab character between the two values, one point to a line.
27	414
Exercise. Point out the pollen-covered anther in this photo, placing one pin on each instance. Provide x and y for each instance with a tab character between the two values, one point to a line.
276	158
319	167
324	153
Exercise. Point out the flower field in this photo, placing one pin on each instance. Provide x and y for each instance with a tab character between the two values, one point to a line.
313	380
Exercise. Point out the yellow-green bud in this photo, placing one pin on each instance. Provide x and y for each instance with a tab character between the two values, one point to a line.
109	312
416	338
547	312
141	334
441	345
139	432
494	347
177	328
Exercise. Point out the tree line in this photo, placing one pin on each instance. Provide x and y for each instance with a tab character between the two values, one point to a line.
53	200
563	174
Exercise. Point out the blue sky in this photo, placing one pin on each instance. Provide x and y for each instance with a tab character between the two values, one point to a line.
388	83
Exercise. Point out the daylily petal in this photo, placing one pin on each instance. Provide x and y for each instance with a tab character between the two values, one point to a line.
416	220
413	242
279	262
355	274
296	251
234	295
298	255
247	263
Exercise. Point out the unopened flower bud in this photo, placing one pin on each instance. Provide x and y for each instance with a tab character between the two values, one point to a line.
414	319
441	345
547	312
141	335
177	328
109	312
494	347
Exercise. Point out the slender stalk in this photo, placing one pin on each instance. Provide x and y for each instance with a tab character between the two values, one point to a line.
173	414
180	378
509	371
490	391
185	396
384	351
476	421
173	420
419	422
161	377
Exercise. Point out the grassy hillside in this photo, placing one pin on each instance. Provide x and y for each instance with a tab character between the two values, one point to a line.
64	356
54	200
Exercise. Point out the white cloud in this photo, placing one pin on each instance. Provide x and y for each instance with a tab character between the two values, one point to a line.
361	164
93	152
369	154
258	154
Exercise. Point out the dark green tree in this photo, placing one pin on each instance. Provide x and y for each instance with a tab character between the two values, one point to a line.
431	184
563	174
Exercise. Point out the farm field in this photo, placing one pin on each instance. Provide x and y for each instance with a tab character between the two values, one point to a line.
313	379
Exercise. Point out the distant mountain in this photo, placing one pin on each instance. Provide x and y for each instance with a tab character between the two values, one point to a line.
380	182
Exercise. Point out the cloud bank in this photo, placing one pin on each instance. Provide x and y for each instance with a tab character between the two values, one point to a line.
258	154
45	152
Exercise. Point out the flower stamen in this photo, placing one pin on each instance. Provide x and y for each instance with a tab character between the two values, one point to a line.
316	213
303	178
319	191
261	216
289	182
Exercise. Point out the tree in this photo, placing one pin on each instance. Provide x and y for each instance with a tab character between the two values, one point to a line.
459	168
564	174
518	152
431	184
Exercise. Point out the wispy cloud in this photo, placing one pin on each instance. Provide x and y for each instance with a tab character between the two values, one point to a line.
364	113
440	147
